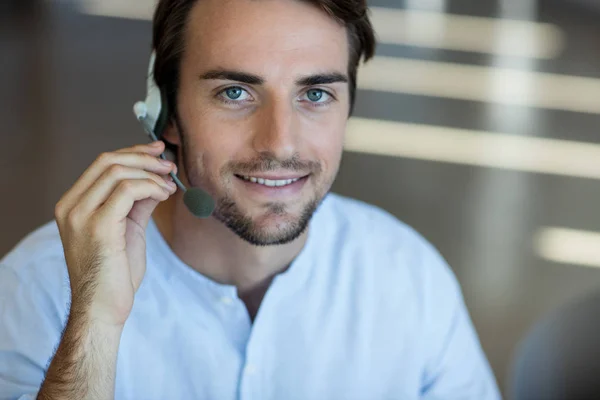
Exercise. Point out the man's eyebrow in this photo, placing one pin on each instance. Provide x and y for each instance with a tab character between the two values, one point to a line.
322	79
251	79
229	75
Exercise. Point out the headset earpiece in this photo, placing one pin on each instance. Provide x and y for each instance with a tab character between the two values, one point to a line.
153	114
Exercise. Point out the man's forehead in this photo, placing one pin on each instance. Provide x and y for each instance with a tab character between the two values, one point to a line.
247	33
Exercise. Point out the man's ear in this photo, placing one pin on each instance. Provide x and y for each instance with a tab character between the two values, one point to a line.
172	141
171	134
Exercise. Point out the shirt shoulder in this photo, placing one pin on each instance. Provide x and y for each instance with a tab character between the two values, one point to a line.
35	268
355	215
415	286
374	249
386	258
34	298
367	229
38	257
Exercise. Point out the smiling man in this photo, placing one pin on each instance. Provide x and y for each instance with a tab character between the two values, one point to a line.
286	291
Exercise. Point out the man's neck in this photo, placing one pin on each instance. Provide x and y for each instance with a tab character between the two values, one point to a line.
212	249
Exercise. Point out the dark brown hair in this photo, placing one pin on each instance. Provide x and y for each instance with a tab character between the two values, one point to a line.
170	21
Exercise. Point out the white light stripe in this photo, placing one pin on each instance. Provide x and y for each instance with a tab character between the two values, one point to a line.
475	83
137	9
568	246
428	5
413	28
465	33
477	148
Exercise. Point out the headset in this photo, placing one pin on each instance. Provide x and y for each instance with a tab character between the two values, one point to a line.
153	114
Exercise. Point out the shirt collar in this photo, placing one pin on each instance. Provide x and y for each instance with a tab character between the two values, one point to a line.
161	257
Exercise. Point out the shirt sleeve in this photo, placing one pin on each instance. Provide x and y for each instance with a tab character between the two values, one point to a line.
456	366
34	293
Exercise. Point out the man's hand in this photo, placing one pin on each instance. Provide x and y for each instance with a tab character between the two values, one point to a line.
102	221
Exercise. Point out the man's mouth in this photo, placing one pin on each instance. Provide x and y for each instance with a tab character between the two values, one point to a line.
273	182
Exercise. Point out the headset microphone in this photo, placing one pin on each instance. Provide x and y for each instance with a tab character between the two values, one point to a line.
153	114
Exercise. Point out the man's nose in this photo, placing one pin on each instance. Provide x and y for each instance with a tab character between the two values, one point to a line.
276	131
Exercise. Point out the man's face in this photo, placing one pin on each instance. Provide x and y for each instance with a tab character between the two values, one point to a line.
263	104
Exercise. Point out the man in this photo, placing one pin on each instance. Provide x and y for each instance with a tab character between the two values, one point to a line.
285	292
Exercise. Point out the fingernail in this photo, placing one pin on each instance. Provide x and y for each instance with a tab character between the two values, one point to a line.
166	163
156	144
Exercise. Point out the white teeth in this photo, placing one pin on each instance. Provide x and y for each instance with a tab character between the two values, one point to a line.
269	182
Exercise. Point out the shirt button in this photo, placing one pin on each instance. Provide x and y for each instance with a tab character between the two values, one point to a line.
250	369
227	300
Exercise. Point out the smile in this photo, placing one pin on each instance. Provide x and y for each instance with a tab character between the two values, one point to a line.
269	182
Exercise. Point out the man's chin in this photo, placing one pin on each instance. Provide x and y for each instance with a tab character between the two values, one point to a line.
275	224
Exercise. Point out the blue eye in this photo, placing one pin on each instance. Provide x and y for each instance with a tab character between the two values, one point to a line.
318	97
234	93
315	95
234	96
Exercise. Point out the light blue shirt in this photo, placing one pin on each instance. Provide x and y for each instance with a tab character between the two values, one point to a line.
368	311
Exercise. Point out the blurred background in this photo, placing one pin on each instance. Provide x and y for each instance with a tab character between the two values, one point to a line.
477	124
